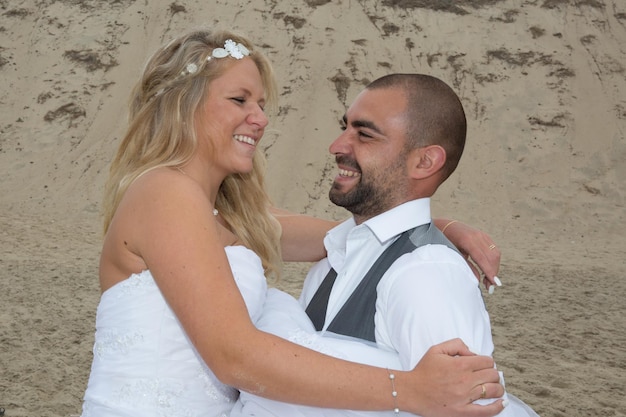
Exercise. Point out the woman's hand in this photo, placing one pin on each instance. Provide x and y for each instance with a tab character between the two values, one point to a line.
481	253
447	380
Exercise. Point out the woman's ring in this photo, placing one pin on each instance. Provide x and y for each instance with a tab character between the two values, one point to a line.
492	246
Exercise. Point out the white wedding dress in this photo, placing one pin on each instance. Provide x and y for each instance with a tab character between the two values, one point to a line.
144	365
284	316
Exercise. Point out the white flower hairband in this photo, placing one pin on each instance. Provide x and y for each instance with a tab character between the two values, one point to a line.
235	50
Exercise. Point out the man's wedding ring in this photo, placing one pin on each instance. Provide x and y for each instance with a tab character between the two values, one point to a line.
484	393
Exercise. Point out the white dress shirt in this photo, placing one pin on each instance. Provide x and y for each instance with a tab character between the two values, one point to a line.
426	297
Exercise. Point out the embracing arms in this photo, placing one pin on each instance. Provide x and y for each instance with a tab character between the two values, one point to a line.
303	235
178	238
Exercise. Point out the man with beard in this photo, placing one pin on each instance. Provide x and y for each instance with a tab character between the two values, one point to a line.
392	286
391	278
403	137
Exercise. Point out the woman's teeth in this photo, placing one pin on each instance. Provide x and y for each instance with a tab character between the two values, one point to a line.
244	139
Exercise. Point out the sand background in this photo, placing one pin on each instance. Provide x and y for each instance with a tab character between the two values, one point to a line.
544	86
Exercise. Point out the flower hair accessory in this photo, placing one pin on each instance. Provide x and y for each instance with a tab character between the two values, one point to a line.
235	50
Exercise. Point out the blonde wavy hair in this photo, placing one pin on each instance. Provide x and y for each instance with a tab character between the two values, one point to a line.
161	133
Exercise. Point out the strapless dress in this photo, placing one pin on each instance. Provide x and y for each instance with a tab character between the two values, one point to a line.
143	362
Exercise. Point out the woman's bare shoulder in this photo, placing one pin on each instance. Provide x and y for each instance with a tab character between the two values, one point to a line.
165	186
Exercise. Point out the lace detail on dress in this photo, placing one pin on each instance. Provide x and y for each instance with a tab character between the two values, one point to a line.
214	389
136	284
113	341
158	393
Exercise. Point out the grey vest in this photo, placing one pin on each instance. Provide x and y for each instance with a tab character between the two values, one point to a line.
356	317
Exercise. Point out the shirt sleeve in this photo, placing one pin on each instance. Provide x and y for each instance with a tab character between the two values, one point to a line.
427	297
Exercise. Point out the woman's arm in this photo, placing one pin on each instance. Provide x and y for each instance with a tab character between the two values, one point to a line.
174	233
302	238
481	253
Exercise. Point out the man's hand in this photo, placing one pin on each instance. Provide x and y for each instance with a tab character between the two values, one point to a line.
450	379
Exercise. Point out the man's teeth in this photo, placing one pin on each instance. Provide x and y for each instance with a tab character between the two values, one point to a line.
244	139
346	173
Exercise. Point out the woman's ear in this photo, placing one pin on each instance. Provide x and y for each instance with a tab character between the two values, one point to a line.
427	161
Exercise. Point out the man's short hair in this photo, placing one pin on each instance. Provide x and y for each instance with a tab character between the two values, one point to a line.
434	114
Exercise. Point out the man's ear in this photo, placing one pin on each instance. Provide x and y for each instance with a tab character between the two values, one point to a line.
427	161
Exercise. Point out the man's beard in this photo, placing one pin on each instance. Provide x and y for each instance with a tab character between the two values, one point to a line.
369	198
364	200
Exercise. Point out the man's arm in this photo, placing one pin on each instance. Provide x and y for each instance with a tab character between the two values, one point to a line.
456	374
424	300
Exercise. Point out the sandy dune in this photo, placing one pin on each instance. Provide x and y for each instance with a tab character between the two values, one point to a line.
544	86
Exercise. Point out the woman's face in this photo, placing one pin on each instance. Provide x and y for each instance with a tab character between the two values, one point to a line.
232	119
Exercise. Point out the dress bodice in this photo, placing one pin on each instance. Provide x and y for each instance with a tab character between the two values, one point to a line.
145	365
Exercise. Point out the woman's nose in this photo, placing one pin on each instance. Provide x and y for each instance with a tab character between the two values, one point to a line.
258	117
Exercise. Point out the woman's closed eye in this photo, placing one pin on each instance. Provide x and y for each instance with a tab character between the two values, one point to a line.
242	101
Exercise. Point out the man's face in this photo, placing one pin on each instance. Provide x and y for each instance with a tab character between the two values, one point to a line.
371	156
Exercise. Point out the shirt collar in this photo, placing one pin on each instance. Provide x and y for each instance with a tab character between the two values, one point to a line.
399	219
387	225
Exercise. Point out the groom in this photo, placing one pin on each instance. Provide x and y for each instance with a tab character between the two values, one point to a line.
390	278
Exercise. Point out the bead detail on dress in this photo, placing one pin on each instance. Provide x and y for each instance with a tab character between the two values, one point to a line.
115	342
